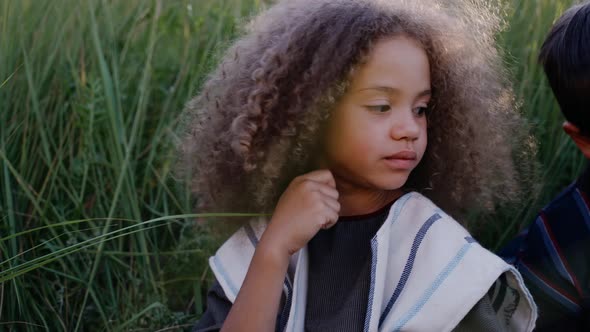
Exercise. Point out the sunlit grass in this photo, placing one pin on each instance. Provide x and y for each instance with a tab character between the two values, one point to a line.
559	160
90	97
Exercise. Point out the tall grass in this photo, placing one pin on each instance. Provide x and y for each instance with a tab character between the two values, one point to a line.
530	22
94	229
559	160
90	96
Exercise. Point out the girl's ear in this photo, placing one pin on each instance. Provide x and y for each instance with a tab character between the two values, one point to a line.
582	141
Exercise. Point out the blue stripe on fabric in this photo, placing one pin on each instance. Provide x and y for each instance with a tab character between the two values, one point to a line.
433	287
397	208
409	265
553	253
374	248
552	292
225	275
399	205
287	284
583	206
251	235
441	212
287	307
469	239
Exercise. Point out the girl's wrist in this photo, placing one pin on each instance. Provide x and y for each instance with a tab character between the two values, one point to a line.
272	253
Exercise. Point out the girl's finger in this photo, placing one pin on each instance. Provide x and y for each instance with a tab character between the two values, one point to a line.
328	191
322	176
333	205
331	221
328	225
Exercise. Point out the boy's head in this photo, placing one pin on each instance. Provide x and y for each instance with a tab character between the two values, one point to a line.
565	55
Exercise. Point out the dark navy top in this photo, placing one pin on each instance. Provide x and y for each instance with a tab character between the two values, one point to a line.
339	273
553	256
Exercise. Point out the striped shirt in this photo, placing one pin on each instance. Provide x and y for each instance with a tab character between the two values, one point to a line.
553	256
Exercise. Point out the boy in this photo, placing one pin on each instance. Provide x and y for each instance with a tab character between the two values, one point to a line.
554	254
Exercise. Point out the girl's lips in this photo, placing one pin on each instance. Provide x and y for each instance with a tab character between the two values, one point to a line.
402	160
404	155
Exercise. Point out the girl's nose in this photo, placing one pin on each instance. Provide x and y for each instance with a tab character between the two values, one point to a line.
405	126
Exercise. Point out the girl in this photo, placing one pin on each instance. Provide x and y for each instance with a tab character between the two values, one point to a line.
332	116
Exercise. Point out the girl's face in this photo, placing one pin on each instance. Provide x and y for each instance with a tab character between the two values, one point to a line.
376	135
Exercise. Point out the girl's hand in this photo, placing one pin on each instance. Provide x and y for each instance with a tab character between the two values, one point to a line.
309	204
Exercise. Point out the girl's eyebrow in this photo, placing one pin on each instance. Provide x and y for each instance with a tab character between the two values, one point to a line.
390	90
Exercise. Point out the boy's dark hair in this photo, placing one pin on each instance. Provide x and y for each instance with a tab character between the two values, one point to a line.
565	55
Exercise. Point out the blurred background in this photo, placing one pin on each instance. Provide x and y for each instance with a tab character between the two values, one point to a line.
95	231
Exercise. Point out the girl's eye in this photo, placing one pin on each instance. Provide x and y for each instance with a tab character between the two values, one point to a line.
379	108
421	111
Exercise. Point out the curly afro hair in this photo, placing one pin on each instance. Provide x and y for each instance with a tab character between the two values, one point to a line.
256	123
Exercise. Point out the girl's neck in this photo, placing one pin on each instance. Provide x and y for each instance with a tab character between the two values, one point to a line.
354	202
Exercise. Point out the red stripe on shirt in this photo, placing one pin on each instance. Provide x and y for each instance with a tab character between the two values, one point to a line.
549	283
584	198
559	252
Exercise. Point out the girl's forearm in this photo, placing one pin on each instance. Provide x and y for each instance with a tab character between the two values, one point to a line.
257	304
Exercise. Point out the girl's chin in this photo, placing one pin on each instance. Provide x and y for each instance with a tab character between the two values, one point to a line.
388	186
391	184
384	182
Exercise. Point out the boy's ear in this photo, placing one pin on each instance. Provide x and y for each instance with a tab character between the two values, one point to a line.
582	141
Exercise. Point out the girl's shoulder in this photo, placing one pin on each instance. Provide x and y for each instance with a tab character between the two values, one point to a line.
424	257
232	260
413	207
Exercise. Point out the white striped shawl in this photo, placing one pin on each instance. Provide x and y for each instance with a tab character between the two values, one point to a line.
426	273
